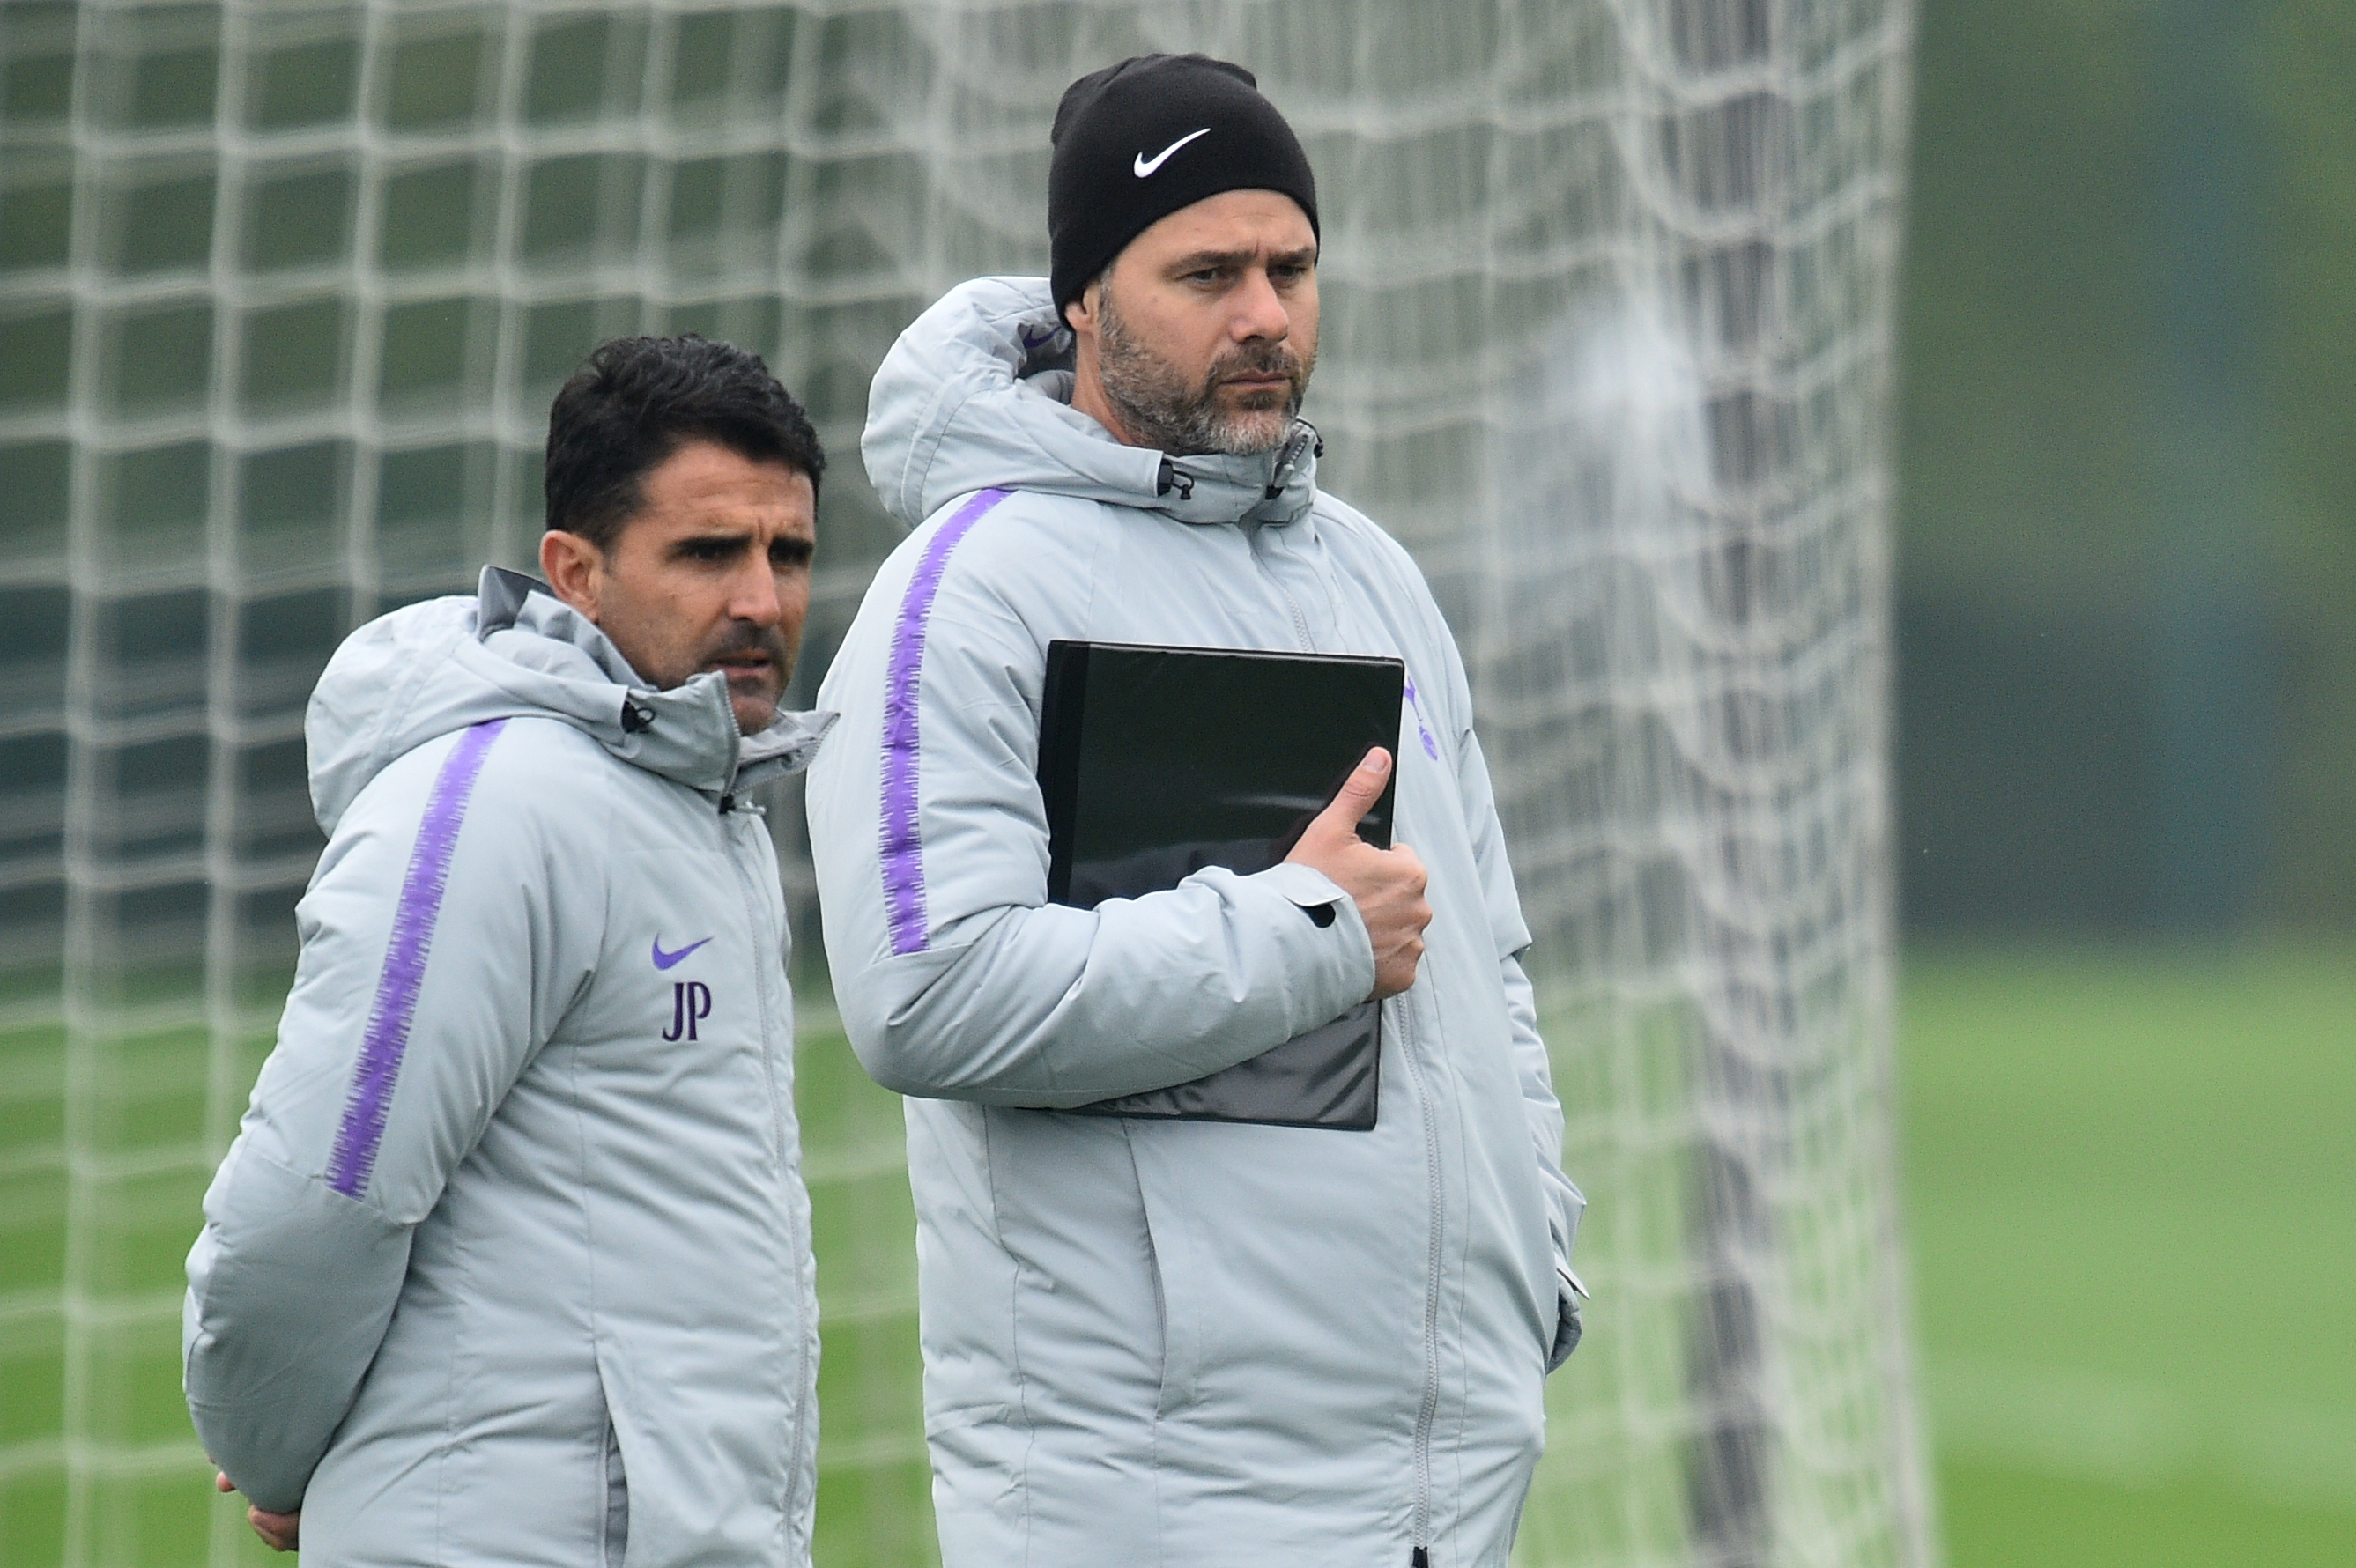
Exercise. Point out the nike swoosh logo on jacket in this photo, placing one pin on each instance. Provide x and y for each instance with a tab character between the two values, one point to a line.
665	960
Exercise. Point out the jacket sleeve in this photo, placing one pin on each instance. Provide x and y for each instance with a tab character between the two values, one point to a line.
956	980
1565	1202
429	973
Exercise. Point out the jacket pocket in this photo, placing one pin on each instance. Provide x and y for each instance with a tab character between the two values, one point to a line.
614	1534
1166	1255
1567	1329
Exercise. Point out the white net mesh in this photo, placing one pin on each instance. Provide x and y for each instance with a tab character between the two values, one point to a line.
284	291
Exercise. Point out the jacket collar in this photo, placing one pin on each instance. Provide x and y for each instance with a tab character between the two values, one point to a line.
976	395
687	733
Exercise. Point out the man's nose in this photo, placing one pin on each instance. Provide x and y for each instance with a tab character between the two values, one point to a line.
753	593
1259	310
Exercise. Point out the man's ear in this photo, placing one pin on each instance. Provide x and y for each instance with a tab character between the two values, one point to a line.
1080	314
573	568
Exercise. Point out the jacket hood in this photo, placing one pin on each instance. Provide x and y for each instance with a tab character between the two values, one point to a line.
515	650
976	395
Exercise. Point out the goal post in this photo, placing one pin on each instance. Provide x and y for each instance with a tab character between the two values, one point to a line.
285	290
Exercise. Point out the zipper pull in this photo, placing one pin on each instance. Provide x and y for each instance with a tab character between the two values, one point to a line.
1419	1558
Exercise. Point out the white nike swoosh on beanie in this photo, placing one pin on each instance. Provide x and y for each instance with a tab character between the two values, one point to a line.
1145	165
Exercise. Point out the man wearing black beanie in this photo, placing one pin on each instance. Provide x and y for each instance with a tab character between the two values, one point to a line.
1287	1340
1100	196
1216	176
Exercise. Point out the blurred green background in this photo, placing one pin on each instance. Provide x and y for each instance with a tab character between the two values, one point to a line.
2130	1156
2038	333
2130	1168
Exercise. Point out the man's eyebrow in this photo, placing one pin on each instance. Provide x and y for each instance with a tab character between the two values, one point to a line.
711	537
793	546
1197	261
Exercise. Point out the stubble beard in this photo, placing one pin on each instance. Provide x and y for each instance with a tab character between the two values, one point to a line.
652	643
759	698
1160	409
766	696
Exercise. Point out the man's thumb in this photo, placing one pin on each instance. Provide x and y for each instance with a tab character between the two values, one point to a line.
1360	790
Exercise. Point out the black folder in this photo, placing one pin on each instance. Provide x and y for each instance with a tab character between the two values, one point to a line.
1157	762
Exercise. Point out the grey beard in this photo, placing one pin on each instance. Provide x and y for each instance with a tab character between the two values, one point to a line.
1163	412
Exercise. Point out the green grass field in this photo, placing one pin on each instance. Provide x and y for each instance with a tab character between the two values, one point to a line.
2131	1184
2131	1188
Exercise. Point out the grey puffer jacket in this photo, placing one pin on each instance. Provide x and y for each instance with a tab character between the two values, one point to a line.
509	1264
1174	1342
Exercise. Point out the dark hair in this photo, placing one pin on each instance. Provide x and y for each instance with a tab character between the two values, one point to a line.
635	401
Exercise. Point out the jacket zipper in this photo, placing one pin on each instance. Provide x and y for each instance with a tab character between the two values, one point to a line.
760	923
1421	1556
756	908
1299	621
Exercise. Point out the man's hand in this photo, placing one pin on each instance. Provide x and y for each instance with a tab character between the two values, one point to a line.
277	1530
1386	884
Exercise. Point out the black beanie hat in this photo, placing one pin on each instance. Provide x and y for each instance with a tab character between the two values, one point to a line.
1135	141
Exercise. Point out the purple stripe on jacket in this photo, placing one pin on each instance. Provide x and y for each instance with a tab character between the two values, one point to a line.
1431	746
404	961
904	849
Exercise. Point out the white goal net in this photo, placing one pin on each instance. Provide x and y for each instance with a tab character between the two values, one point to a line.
284	291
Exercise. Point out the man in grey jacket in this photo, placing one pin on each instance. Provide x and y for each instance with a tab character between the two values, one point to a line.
1155	1341
509	1264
